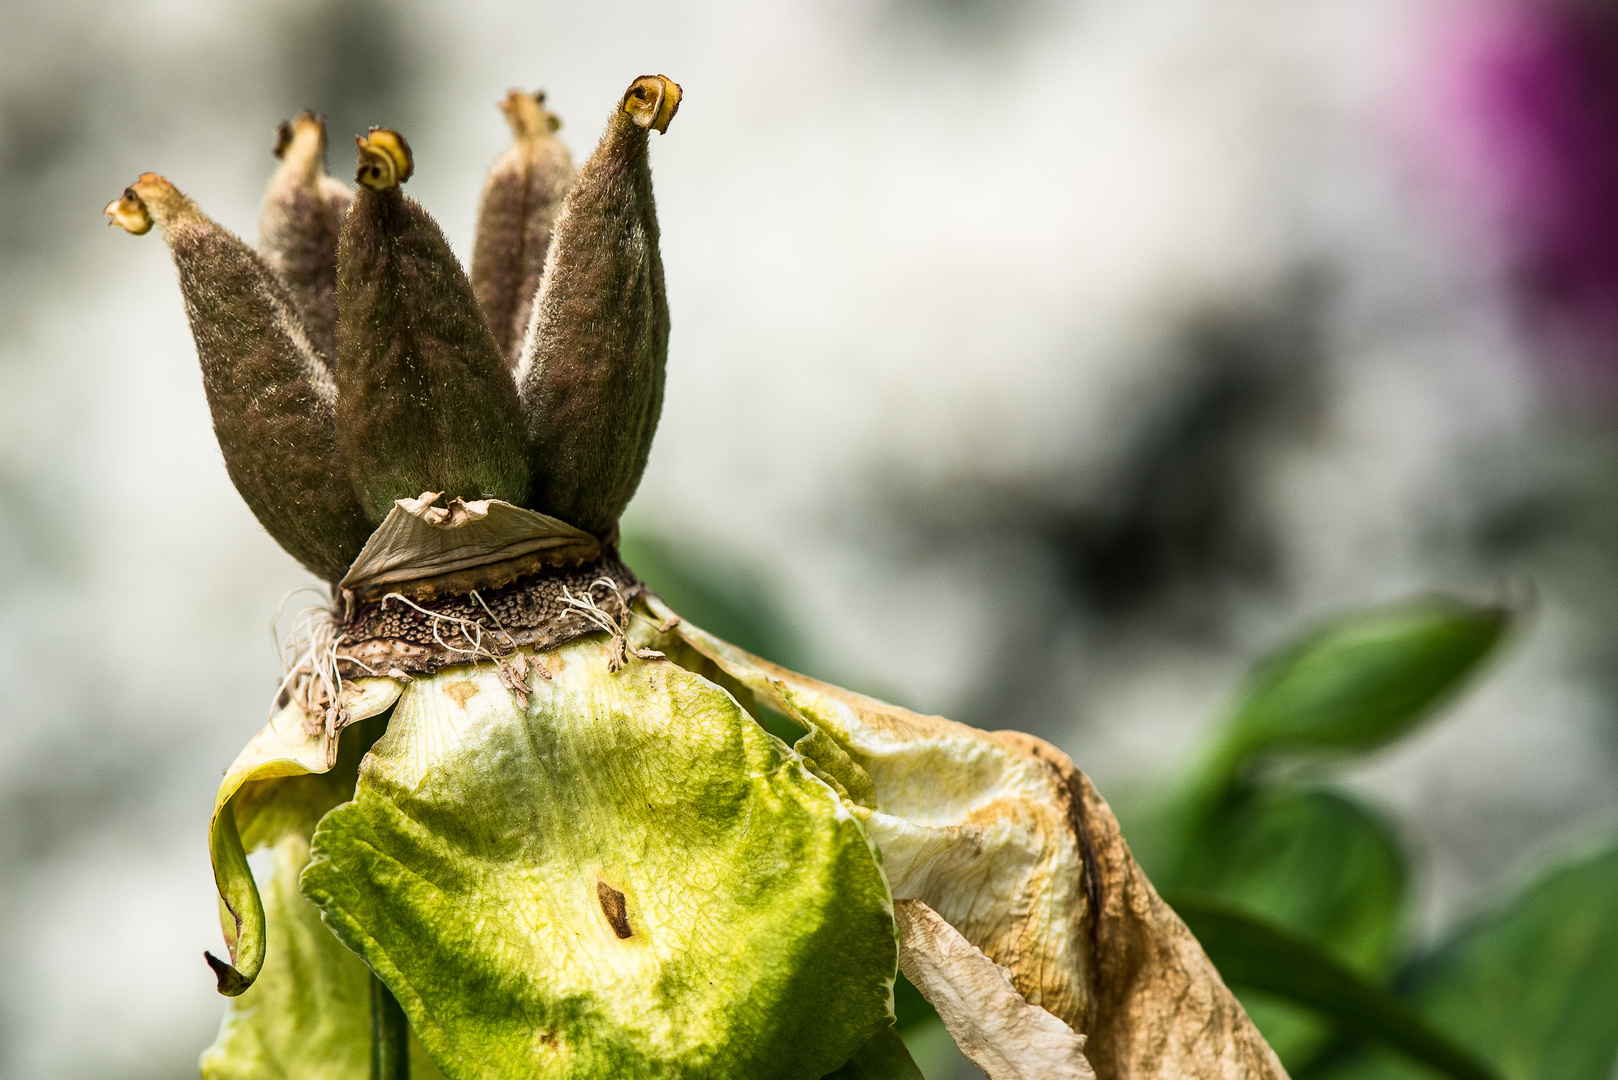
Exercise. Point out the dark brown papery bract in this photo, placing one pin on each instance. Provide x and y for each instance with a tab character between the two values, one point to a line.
353	363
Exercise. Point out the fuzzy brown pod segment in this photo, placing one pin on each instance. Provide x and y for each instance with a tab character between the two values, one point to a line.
593	363
516	215
272	399
425	400
298	228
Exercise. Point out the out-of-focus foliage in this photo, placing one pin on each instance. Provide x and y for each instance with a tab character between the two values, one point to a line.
1300	892
1361	681
1314	862
1531	985
1252	952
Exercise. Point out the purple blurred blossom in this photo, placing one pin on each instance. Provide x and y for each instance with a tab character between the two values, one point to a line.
1526	121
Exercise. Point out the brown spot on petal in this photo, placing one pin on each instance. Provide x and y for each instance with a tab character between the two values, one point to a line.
614	908
463	691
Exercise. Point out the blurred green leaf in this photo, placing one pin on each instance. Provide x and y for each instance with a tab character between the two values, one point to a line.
1363	680
884	1057
717	595
1314	863
1257	955
1533	985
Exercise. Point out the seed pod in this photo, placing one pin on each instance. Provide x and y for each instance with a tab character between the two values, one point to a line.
272	400
298	228
521	199
425	400
592	367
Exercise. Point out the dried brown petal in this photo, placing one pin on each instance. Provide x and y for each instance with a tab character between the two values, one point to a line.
298	228
272	400
521	200
995	1027
426	401
592	366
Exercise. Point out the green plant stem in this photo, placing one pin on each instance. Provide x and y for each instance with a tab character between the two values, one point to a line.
390	1035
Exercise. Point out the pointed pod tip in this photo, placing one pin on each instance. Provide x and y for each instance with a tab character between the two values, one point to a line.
651	102
230	981
527	115
384	159
305	132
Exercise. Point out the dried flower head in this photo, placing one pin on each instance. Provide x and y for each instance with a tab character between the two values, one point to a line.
506	786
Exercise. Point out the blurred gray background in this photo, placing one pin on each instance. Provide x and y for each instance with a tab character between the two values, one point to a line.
1040	364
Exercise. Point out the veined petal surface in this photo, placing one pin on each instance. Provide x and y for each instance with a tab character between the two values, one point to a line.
627	878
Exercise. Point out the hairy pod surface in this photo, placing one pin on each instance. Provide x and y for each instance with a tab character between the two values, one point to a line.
271	398
299	225
593	364
425	399
516	215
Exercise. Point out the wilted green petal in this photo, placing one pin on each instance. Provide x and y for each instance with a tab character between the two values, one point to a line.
972	823
630	878
308	1016
283	759
1003	837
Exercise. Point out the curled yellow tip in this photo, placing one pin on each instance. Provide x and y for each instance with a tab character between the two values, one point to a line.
150	198
384	160
651	101
527	115
129	213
